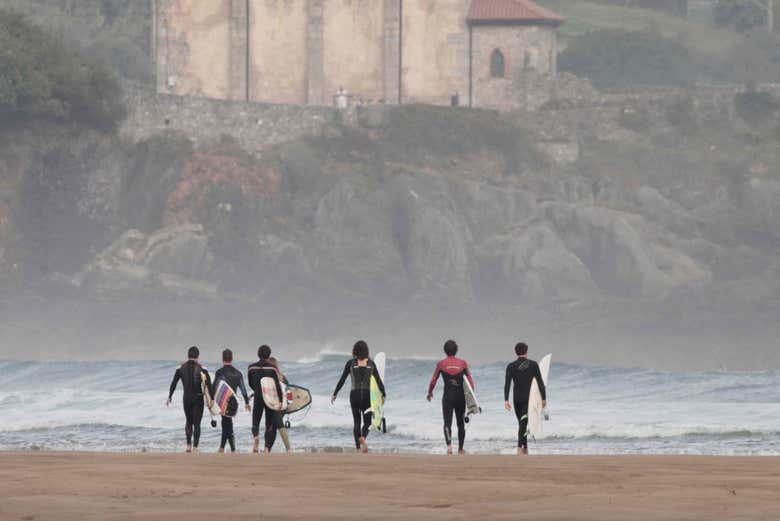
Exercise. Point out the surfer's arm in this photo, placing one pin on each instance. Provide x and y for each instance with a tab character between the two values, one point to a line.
434	379
507	382
278	384
379	381
209	385
540	382
243	388
176	378
342	379
468	375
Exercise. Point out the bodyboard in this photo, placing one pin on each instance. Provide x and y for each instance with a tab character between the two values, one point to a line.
298	398
377	405
535	409
225	399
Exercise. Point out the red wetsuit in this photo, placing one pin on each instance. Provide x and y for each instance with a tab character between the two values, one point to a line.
450	366
453	370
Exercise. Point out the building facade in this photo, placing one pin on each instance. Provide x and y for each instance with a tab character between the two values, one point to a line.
378	51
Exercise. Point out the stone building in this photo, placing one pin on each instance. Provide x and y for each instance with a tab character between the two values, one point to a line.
388	51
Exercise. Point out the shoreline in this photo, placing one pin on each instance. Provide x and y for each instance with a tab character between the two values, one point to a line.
67	486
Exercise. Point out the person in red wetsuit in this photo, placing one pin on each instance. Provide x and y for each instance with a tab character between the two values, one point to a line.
452	370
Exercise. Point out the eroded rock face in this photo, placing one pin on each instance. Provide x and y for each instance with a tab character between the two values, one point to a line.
621	260
174	260
532	264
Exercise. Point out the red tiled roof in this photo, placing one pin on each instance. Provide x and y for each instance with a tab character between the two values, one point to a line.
511	11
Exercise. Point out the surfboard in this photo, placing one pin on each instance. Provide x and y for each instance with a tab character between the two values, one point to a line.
298	398
472	404
212	408
225	399
377	405
535	409
270	397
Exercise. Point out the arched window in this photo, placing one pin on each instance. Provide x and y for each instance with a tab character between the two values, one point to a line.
497	64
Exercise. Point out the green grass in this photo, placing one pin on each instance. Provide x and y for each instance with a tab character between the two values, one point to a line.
583	16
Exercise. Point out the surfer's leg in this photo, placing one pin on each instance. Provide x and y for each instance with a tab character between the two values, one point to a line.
270	429
257	416
460	413
227	425
197	416
368	419
231	435
521	411
447	410
357	416
188	424
283	431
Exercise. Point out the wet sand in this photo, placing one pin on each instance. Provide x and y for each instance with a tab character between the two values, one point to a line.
93	486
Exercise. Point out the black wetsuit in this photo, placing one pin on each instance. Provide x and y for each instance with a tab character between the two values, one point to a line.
235	380
258	371
191	374
522	373
360	395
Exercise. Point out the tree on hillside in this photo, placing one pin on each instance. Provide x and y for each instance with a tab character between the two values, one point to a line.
40	77
614	58
745	15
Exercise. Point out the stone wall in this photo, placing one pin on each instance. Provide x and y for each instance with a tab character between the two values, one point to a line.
253	125
529	64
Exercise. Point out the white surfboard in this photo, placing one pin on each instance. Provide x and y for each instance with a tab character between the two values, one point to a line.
207	398
271	399
535	409
377	404
472	404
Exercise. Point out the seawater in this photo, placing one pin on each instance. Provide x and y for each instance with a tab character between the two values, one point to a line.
119	406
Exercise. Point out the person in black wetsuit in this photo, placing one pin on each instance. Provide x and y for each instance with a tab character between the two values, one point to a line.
233	378
192	376
522	373
261	369
360	368
452	371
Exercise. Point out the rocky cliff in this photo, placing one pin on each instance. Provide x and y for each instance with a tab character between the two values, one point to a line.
405	223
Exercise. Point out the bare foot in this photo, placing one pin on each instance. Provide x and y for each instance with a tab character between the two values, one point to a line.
289	451
188	449
449	450
266	451
221	451
256	446
363	445
461	452
522	451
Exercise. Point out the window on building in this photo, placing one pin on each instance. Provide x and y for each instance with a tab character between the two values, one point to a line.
497	64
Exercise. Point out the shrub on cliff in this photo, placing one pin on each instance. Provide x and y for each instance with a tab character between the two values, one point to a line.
41	78
419	131
613	58
742	15
756	108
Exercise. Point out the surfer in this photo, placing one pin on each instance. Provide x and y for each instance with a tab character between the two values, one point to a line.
279	414
235	380
521	373
193	377
452	370
257	371
361	368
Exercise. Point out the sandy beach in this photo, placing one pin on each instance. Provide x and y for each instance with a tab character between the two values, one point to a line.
86	486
